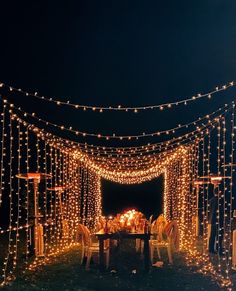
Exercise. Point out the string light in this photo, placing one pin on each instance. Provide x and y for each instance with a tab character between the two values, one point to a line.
114	135
182	160
85	159
2	170
136	109
162	146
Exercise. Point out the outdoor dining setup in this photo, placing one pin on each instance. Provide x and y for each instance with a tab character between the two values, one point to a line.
51	195
148	236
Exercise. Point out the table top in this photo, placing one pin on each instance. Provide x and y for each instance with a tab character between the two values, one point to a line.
102	235
57	188
33	176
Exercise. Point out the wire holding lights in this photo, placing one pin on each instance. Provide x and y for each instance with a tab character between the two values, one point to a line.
115	136
119	107
2	170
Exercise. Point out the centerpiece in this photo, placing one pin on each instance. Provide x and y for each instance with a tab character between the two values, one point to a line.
131	221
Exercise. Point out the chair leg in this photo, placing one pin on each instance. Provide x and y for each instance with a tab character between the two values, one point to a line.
151	253
89	255
82	254
138	245
141	246
107	258
169	254
158	252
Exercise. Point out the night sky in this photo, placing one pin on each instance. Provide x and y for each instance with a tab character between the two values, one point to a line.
119	52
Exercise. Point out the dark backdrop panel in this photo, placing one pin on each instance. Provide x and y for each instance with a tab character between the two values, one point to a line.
146	197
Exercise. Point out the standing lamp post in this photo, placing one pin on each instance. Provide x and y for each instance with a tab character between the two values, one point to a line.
64	222
38	227
59	190
198	184
215	180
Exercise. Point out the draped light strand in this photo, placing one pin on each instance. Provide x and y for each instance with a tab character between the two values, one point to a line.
165	145
18	193
2	170
89	163
120	107
232	172
114	135
6	272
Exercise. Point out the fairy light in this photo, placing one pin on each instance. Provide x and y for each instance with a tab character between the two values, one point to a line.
7	272
231	198
165	198
135	109
69	198
114	135
223	280
18	196
188	137
51	234
57	200
218	193
74	197
204	202
195	189
56	158
80	200
224	231
189	204
28	230
182	160
170	144
84	181
66	200
60	201
2	170
45	198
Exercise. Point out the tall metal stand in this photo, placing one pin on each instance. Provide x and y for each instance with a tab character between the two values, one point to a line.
215	180
37	226
198	184
64	222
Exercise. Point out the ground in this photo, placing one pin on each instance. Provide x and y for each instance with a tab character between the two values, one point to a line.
125	273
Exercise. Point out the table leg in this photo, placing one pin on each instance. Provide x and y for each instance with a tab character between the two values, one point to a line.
101	254
146	255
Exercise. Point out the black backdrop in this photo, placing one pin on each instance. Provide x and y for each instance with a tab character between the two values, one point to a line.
146	197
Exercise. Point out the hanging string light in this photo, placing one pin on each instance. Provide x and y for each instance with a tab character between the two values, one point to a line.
132	150
86	159
120	107
167	132
166	145
182	160
2	170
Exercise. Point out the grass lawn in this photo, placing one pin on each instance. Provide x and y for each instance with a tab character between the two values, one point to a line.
125	273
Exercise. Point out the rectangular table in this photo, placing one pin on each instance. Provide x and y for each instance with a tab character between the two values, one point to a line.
123	235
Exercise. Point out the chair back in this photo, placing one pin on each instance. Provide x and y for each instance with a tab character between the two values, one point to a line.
158	227
100	224
85	234
150	219
172	232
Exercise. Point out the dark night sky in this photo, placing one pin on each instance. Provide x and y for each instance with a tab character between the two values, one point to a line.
119	52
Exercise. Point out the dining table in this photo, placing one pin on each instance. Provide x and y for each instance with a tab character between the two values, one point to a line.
102	236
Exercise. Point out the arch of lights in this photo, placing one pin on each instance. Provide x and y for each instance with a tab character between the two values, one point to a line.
69	192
